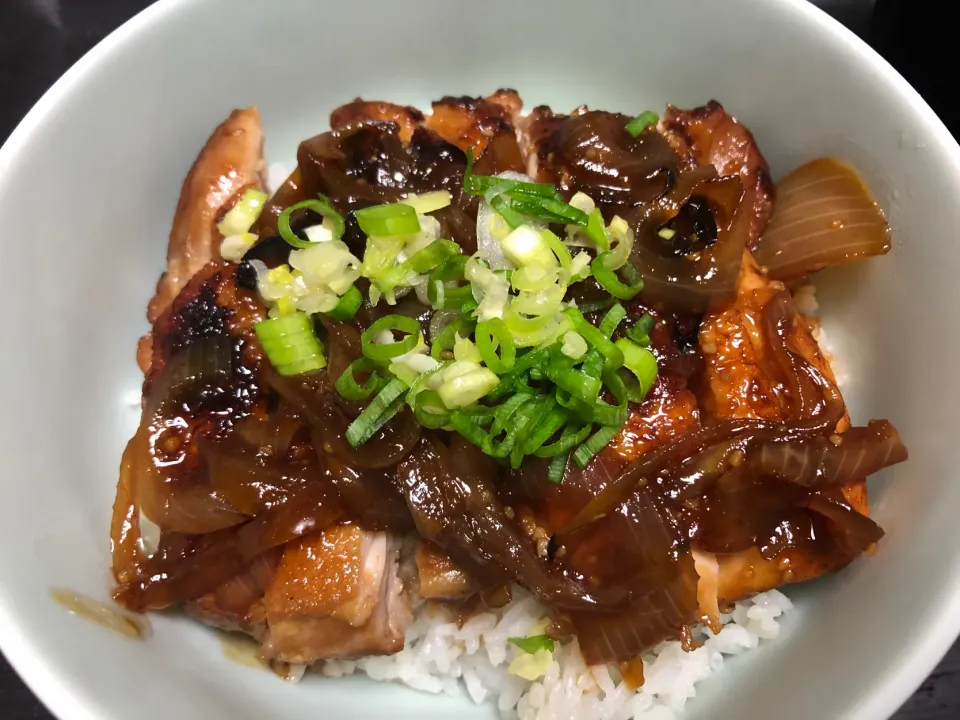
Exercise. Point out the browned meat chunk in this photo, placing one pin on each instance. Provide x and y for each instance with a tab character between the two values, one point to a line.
229	163
440	577
472	122
741	382
716	138
237	606
406	118
337	593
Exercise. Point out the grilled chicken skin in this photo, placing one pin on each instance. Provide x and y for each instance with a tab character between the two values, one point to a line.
229	163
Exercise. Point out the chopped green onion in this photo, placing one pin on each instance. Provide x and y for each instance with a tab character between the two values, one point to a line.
581	386
525	245
640	332
611	283
535	277
465	349
234	247
432	256
425	402
641	122
241	217
558	465
428	202
429	410
583	454
450	270
552	420
666	233
558	249
574	346
534	643
641	362
443	297
612	356
526	421
375	415
506	410
612	320
569	439
348	386
532	190
596	231
504	207
592	306
490	335
385	351
321	206
347	305
464	383
388	220
550	209
538	358
290	344
447	337
603	413
468	427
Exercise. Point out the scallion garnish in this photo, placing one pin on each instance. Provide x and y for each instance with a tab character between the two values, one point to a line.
515	200
290	344
504	207
388	220
321	206
558	465
611	321
382	352
492	335
351	389
533	644
375	415
611	283
583	454
428	202
347	305
641	362
640	331
641	122
241	217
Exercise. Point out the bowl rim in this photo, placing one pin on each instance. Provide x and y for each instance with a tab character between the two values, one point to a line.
69	701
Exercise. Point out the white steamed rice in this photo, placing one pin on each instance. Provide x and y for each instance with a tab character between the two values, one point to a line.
440	657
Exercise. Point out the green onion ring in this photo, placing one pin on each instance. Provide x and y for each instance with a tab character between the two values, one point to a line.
387	351
321	206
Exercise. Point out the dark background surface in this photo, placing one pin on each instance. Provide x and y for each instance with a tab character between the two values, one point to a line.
40	39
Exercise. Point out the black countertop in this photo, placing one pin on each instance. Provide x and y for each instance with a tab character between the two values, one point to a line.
40	39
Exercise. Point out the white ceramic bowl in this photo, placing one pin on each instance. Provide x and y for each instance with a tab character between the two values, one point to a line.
88	184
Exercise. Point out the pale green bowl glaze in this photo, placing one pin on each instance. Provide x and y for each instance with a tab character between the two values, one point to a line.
88	184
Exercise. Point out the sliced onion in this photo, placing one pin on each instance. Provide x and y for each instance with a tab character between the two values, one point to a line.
252	483
174	503
125	532
190	509
163	582
696	281
824	216
820	462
